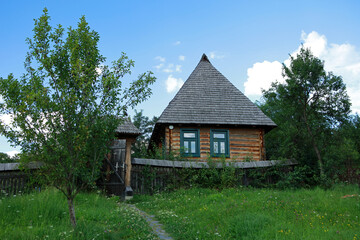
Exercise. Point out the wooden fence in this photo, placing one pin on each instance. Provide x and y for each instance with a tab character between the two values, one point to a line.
149	175
12	179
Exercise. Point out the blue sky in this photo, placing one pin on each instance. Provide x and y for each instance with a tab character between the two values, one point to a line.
245	40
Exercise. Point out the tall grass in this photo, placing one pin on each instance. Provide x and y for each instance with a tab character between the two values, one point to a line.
257	213
45	216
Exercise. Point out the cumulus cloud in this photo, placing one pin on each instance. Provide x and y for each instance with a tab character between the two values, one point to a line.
261	75
12	153
341	59
173	84
158	67
216	55
7	119
178	68
159	58
177	43
182	58
169	68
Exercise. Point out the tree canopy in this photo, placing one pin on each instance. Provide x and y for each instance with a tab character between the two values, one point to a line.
67	105
307	106
146	126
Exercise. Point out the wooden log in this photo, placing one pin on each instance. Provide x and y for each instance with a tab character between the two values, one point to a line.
128	163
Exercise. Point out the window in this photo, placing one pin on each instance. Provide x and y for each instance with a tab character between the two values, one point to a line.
189	142
219	142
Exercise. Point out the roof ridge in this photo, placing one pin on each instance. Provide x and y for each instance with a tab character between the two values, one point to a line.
208	97
204	58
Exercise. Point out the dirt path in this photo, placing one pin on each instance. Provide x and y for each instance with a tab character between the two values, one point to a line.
154	224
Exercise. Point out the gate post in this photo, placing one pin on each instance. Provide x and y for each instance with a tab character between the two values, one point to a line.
127	131
128	189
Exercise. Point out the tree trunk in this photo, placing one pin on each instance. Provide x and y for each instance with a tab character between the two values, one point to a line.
318	155
72	212
321	168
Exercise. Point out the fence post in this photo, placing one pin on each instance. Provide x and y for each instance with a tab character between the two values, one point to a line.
128	189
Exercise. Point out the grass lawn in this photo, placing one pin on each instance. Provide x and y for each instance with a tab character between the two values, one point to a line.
257	213
45	216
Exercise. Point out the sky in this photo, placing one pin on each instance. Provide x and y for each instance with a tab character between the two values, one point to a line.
247	41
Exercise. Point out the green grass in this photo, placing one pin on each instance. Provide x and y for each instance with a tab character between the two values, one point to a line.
257	213
45	216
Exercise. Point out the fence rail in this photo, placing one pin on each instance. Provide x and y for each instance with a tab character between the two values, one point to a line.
148	175
197	164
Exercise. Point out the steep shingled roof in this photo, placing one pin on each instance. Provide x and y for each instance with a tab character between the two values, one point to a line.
207	97
127	127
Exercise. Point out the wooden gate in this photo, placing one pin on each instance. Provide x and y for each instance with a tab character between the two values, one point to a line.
114	167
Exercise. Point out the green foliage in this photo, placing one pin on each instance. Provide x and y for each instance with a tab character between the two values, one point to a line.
4	158
342	156
226	175
146	126
247	213
149	177
67	105
307	107
211	176
161	153
42	216
282	177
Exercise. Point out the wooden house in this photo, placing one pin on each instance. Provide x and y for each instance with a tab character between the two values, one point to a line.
210	116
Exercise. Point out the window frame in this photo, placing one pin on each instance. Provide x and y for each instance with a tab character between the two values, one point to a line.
226	140
197	142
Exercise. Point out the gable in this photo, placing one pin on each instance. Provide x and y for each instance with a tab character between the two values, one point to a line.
207	97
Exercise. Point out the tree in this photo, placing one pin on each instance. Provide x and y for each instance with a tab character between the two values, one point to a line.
5	158
146	126
343	151
67	105
308	104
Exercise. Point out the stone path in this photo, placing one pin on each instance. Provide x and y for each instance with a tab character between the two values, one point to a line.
154	224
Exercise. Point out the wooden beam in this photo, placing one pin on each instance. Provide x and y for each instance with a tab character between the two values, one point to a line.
128	163
128	190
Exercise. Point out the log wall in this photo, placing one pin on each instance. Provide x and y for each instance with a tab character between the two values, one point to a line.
245	144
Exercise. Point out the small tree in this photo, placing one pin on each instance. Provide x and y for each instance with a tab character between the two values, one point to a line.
67	105
146	126
308	103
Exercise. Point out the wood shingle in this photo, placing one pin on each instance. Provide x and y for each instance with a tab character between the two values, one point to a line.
207	97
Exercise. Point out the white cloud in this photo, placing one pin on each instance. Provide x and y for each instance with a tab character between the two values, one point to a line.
12	153
177	43
341	59
178	68
7	119
173	84
169	68
182	58
159	58
99	69
216	55
158	67
261	75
